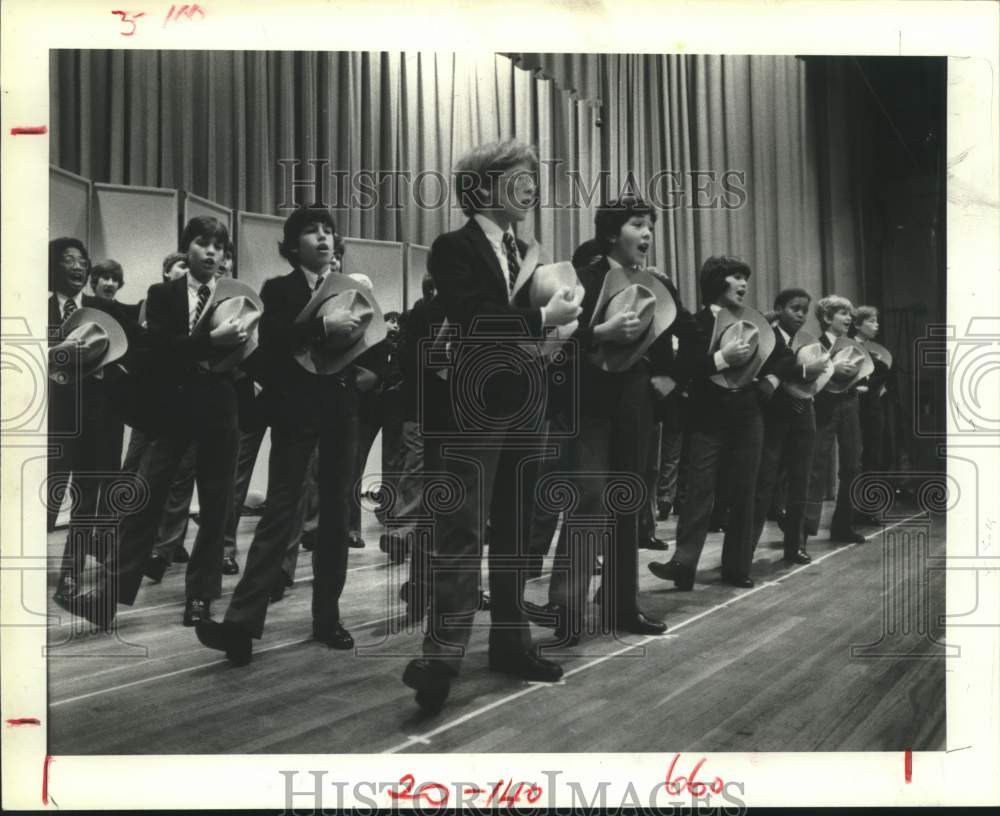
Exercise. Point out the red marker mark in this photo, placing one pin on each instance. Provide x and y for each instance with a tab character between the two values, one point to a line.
37	130
45	779
690	784
908	766
129	18
23	721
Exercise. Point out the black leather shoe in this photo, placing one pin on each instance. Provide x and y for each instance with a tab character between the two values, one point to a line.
547	615
227	637
847	535
682	577
431	679
335	636
229	565
663	510
798	557
393	546
156	566
308	540
66	590
740	581
654	543
355	540
196	611
639	624
179	555
527	666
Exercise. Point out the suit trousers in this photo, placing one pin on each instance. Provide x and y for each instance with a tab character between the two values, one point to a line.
836	424
250	442
210	425
489	469
789	434
738	440
177	511
671	442
292	446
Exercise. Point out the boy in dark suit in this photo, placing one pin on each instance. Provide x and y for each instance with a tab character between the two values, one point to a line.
84	421
306	410
474	270
184	403
718	420
789	427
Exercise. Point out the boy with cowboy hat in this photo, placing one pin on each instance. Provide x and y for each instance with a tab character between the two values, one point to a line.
475	270
796	370
87	336
624	339
190	397
315	323
721	358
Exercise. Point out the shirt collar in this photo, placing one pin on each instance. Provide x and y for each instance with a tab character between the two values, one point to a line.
715	307
195	284
312	277
77	299
492	230
831	337
786	335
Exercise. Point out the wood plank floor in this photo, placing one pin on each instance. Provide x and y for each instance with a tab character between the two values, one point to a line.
770	669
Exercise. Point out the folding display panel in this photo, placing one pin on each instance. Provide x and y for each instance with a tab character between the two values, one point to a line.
416	268
382	261
195	205
69	205
257	239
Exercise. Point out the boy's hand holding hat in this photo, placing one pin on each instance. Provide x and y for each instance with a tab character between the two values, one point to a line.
746	340
91	339
851	362
230	319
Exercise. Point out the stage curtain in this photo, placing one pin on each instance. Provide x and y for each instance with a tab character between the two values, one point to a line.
217	124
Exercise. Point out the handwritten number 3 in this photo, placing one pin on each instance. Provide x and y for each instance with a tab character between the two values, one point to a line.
129	19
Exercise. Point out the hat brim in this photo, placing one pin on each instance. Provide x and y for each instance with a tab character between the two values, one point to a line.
865	368
878	352
320	358
228	358
117	344
614	357
735	378
807	390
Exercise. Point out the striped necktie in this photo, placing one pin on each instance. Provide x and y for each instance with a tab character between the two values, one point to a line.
68	308
319	282
513	261
203	293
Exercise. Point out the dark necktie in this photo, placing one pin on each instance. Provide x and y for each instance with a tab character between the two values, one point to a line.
319	282
68	308
203	293
513	262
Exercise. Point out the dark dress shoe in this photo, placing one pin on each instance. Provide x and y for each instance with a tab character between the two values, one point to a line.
66	590
564	638
682	577
431	679
196	611
547	615
393	546
335	636
355	540
229	566
638	624
654	543
179	555
798	557
847	535
155	567
308	540
740	581
663	510
527	666
227	637
484	601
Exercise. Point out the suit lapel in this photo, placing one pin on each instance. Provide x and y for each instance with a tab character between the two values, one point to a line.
825	341
486	253
300	290
55	318
181	304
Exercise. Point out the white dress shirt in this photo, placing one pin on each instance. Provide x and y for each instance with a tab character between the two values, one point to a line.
720	361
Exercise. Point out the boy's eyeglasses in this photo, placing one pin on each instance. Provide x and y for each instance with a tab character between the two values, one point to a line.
69	262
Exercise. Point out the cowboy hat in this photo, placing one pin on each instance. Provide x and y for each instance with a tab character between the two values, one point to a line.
847	350
878	352
742	323
91	339
231	299
807	351
332	354
640	291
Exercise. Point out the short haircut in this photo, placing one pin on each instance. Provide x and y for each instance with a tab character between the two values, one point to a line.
107	269
480	166
296	223
427	286
56	249
206	227
613	215
862	313
787	295
171	259
587	253
392	316
828	306
715	270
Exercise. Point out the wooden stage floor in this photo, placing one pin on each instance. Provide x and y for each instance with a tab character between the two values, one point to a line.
799	663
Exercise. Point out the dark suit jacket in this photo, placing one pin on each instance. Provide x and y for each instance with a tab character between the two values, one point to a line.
471	287
419	380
